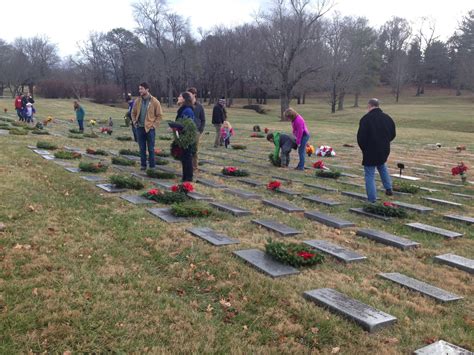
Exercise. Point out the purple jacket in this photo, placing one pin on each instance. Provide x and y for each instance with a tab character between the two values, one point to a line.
299	128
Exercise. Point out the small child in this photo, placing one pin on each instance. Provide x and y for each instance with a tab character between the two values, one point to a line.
284	142
226	132
111	123
29	112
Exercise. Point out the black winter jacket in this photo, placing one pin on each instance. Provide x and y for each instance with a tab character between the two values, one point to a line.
219	114
376	131
199	117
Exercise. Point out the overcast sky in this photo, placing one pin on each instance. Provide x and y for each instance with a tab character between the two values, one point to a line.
67	23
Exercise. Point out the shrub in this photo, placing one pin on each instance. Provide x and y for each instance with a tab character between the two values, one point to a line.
46	145
122	161
191	209
18	124
293	254
40	131
126	182
238	146
402	186
231	171
107	93
18	132
275	162
55	89
328	174
256	108
155	174
257	135
4	125
124	138
129	152
91	135
63	154
166	197
165	138
75	136
93	167
96	152
29	128
387	210
159	161
75	131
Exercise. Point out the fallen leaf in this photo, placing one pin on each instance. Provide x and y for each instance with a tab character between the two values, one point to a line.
430	340
315	330
391	341
245	327
67	352
88	295
335	350
2	227
225	303
35	292
158	289
22	246
209	308
31	208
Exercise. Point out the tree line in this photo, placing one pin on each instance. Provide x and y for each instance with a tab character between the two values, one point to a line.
292	48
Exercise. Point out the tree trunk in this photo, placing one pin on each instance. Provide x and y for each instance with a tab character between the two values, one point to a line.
31	89
264	98
170	92
1	89
356	99
340	103
304	98
397	92
298	100
418	89
284	104
333	99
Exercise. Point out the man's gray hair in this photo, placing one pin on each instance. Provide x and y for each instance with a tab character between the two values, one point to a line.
374	102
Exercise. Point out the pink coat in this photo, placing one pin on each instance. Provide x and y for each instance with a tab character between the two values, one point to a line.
299	128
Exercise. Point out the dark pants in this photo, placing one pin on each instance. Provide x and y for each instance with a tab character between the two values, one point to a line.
19	114
226	141
134	131
146	139
81	125
187	162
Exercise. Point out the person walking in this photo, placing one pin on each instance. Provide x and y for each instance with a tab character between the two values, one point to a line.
128	115
219	115
18	106
188	137
146	117
200	121
80	114
300	132
376	131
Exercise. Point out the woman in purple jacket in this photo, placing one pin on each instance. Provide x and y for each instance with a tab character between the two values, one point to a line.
301	133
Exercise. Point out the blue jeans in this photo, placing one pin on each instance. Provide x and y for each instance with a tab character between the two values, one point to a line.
370	180
81	124
134	131
146	139
302	151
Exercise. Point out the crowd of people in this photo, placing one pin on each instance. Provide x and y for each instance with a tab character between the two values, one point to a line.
376	131
24	107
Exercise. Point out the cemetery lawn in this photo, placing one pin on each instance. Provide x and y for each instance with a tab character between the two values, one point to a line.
85	271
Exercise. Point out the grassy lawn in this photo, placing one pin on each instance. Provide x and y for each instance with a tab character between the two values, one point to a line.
85	271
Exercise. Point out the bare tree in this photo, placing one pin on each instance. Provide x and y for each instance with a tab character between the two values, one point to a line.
288	31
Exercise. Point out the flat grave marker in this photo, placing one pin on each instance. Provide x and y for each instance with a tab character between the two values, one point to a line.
356	195
137	199
42	151
462	195
199	197
387	239
424	288
442	347
210	183
412	207
277	227
456	261
243	193
110	188
251	182
282	205
405	177
442	202
335	250
166	215
368	214
93	178
317	199
72	170
288	191
458	218
236	211
263	262
367	317
431	229
211	236
328	220
320	187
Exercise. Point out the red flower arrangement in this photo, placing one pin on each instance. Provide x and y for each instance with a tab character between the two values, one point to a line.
319	165
306	255
185	187
389	204
460	169
274	185
154	192
231	169
107	130
266	130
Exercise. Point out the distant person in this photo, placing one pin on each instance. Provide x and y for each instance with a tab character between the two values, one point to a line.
18	106
186	112
282	142
128	115
80	114
29	112
376	131
146	117
200	121
301	134
226	132
219	115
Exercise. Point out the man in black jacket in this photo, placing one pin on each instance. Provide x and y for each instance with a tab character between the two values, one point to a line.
200	121
219	115
376	131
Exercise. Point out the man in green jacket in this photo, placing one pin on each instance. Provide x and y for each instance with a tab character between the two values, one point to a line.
284	142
